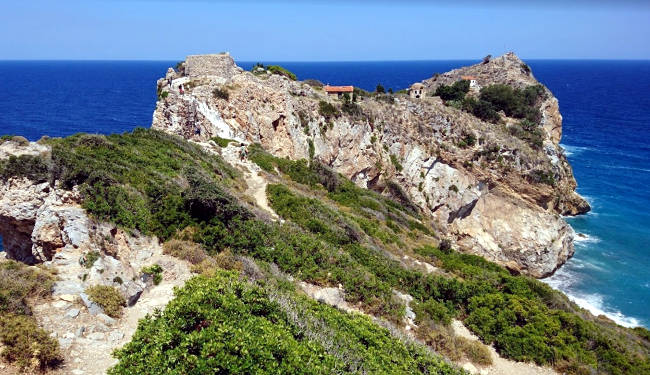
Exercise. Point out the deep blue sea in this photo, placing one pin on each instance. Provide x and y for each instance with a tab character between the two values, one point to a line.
606	109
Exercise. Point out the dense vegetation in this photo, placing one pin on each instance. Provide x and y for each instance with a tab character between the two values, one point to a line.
525	319
336	233
21	339
513	102
455	91
276	331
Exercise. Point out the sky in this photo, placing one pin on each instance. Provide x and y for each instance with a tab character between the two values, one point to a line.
335	30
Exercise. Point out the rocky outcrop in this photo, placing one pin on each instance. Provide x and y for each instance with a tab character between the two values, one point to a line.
40	223
486	195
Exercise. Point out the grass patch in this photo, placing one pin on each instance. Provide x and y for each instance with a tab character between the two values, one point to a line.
222	142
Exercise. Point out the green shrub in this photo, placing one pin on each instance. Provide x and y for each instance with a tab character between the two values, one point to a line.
154	271
542	177
514	102
26	344
312	150
222	142
108	298
221	93
380	89
455	91
31	167
433	310
327	110
90	258
276	69
396	162
275	332
529	132
481	109
136	180
352	109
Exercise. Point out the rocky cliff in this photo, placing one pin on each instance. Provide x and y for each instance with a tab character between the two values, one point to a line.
496	195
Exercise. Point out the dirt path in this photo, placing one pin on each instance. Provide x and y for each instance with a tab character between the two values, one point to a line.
500	365
253	176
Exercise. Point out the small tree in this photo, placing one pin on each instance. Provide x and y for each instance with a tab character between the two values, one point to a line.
380	89
487	59
390	90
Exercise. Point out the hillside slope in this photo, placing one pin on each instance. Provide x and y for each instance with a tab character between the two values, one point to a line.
492	193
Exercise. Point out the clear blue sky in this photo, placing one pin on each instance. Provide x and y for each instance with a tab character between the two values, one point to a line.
322	30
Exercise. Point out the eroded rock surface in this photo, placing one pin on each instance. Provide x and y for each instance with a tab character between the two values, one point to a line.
483	197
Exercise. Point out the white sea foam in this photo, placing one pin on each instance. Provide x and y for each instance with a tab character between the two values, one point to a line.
594	303
583	238
573	150
563	280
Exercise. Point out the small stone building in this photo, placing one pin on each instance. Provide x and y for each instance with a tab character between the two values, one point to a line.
416	91
339	91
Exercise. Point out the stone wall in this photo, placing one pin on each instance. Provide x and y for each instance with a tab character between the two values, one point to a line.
221	65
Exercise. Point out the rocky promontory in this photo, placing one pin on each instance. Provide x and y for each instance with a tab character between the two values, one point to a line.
492	193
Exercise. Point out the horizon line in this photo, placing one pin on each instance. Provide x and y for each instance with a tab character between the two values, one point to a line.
319	61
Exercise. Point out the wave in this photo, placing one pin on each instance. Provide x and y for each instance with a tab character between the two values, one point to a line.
563	281
583	238
594	304
574	150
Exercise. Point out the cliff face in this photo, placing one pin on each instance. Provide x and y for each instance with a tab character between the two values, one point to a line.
483	194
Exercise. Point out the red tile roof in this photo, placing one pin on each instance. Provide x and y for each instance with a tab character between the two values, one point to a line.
468	78
329	88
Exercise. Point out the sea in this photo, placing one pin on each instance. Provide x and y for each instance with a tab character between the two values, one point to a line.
605	105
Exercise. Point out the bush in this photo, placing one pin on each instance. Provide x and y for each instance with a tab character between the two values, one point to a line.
477	353
515	103
275	332
352	109
90	258
529	132
433	310
221	93
276	69
18	283
108	298
31	167
456	91
26	344
327	110
396	163
380	89
481	109
222	142
539	176
185	250
314	83
154	271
